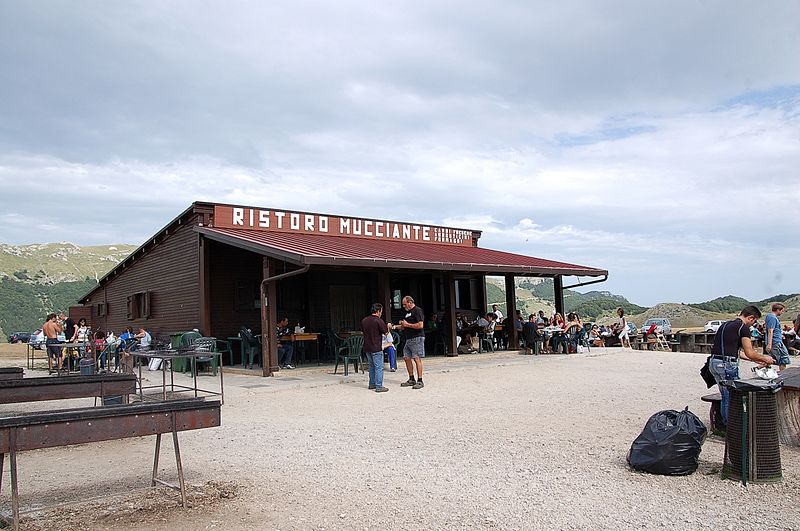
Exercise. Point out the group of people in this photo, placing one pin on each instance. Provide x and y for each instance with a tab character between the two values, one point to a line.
378	340
734	341
59	329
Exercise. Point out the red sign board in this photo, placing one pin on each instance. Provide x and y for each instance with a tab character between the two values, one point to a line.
230	217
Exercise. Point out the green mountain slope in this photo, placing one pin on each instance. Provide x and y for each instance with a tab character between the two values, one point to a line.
40	278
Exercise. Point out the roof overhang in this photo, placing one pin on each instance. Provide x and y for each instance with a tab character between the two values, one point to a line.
332	251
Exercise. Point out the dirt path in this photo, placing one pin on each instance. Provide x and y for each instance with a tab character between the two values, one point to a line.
496	441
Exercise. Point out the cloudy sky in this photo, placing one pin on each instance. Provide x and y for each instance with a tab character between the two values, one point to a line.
658	140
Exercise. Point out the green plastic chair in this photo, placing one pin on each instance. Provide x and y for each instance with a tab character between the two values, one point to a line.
187	342
206	344
350	350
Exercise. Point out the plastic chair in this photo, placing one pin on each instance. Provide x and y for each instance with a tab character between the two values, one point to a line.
205	344
333	343
186	343
533	339
485	338
224	347
571	337
350	350
251	346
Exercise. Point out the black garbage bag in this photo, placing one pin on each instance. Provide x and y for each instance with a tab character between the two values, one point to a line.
670	444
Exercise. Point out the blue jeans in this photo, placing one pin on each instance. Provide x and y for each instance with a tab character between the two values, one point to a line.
285	352
375	368
724	370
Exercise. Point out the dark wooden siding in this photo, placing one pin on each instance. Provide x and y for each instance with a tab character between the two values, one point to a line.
230	267
169	270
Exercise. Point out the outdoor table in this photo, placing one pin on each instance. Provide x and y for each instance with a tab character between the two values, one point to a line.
167	357
63	345
302	338
237	340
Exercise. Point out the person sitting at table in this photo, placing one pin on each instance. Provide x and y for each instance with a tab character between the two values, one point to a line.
145	339
463	335
541	320
595	338
285	348
531	333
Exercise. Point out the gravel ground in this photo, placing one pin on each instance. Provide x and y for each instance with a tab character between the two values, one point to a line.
493	441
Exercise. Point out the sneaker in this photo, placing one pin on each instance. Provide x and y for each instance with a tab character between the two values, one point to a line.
392	370
418	385
290	367
411	382
381	389
371	386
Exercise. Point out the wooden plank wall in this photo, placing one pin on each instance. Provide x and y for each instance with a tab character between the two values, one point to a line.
170	271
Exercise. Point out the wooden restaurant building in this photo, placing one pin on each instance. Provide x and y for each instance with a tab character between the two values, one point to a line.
217	267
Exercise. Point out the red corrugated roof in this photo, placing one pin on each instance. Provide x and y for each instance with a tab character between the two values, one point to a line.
317	249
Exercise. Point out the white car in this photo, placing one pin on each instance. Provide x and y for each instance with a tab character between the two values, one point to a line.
713	326
663	325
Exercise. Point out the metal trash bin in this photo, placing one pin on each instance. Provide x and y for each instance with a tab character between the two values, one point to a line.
752	448
86	366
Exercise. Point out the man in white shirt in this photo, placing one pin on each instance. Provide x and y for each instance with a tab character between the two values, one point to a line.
498	313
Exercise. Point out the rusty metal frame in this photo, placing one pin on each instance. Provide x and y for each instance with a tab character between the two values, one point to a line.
50	429
62	387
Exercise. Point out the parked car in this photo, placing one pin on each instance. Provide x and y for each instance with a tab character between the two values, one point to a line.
632	332
663	325
713	326
19	337
37	339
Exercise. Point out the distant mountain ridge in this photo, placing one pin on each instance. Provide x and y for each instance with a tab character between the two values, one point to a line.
534	294
40	278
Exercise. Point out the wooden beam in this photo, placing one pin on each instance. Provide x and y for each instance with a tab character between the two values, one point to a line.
558	291
450	312
509	325
204	285
269	302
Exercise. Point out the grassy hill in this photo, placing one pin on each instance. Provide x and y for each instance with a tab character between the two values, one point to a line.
41	278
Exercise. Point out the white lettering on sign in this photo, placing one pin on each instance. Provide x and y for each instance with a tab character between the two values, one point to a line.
287	221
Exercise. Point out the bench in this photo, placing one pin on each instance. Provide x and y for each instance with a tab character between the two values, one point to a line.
62	387
49	429
718	426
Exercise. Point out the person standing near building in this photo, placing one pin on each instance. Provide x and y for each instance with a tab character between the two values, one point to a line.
724	363
51	328
773	342
373	328
498	313
414	346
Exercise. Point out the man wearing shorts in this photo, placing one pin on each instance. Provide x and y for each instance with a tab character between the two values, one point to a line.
773	342
51	329
414	337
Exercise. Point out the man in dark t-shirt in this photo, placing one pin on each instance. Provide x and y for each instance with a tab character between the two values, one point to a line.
724	363
373	328
414	337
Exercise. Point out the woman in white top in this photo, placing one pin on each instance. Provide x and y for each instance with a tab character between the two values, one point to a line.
81	335
624	339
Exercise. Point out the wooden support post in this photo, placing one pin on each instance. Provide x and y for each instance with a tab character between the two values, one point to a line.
450	312
558	293
204	281
510	324
269	342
